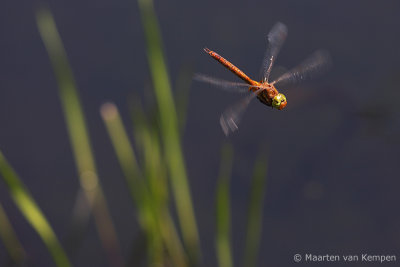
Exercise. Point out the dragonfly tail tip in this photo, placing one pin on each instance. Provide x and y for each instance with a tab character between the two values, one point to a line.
206	50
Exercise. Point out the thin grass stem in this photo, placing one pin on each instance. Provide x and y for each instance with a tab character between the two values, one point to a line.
79	136
169	130
223	234
32	213
254	218
10	239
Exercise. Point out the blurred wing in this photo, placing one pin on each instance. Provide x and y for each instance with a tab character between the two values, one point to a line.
231	117
314	64
276	37
223	84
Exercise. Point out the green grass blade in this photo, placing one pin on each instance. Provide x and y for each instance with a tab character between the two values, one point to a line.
147	135
223	242
10	240
78	135
32	212
160	223
169	130
141	134
134	178
254	219
125	154
157	180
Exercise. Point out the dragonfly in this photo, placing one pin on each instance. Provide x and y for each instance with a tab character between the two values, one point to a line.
264	90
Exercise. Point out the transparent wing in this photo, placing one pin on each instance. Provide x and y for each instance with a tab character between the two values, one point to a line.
314	64
231	117
276	37
223	84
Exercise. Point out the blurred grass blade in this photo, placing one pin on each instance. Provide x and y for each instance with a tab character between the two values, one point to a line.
162	224
154	238
32	212
148	139
10	240
125	154
254	218
78	135
78	225
134	178
169	130
223	242
157	179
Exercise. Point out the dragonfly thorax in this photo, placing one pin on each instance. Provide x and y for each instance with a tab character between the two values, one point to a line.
264	98
271	97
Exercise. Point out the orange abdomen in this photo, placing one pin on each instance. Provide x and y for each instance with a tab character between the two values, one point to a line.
231	67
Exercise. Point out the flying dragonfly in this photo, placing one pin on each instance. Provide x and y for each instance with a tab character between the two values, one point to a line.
264	90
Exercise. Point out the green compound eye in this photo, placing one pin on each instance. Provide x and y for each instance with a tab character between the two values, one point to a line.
279	101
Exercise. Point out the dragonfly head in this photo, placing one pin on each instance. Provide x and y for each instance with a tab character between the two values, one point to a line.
279	101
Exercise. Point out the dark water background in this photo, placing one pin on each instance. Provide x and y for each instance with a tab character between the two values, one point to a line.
334	153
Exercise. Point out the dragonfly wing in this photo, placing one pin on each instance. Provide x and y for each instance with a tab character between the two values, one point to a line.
276	37
237	87
231	117
223	84
314	64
